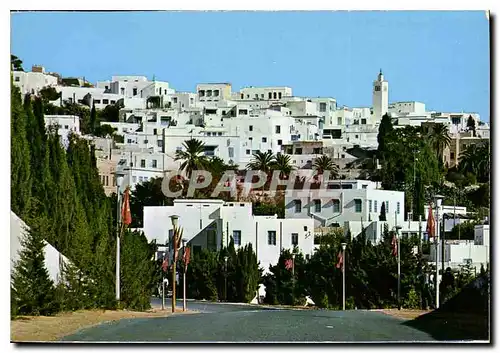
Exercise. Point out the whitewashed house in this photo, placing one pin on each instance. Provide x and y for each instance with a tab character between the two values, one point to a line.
211	224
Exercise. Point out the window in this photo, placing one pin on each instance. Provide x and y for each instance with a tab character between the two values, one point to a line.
248	151
66	127
298	151
363	121
264	139
230	151
143	163
369	205
174	99
277	129
134	179
146	141
112	102
271	237
280	142
122	90
279	95
262	95
17	79
155	131
339	121
242	96
160	143
140	179
219	134
209	93
298	206
317	205
295	239
452	155
105	101
336	206
106	87
154	163
274	95
357	206
237	237
322	107
216	93
202	93
356	136
129	140
398	207
134	91
97	101
375	206
377	88
256	96
250	128
270	95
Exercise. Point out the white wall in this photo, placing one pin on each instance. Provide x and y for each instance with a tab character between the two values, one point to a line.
53	259
32	82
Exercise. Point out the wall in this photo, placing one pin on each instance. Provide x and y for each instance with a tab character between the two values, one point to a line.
32	82
53	259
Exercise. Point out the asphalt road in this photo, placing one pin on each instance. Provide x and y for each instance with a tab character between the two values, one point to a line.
220	322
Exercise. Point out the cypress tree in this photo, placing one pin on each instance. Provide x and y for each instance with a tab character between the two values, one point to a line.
384	130
93	119
383	216
20	171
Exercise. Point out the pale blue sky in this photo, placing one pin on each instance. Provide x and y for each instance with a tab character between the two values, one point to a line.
439	58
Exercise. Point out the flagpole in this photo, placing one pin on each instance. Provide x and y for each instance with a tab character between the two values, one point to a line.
343	275
399	265
185	273
119	180
438	199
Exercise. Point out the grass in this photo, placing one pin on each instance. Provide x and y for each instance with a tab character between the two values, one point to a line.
53	328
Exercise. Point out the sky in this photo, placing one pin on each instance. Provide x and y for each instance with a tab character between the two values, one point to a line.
439	58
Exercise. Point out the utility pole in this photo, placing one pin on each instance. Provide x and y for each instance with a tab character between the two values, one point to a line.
343	275
398	242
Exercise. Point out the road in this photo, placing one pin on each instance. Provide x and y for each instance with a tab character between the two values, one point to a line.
221	322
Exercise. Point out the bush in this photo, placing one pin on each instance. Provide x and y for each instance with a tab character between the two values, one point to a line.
412	300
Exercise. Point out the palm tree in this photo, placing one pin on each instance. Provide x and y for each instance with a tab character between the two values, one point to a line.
324	163
439	139
192	158
282	162
262	161
476	160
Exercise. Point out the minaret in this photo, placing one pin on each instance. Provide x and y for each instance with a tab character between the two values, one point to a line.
380	97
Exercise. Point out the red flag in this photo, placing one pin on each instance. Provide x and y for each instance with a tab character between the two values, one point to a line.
126	216
186	257
340	262
288	264
394	245
431	225
164	265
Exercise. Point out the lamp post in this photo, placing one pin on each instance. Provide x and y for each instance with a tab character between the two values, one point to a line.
175	220
398	228
119	180
343	275
225	278
293	279
437	199
184	304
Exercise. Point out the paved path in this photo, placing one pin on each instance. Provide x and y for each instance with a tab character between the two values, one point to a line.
220	322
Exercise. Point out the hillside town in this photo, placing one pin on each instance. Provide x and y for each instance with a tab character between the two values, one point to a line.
398	175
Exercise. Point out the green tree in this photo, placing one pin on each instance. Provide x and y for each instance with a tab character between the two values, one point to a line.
384	130
382	216
32	289
93	119
440	139
248	274
148	193
20	159
471	125
324	163
262	161
283	164
192	157
16	63
49	94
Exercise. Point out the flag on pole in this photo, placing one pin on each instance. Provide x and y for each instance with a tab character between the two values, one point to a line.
186	257
340	258
126	216
431	225
164	265
394	245
288	264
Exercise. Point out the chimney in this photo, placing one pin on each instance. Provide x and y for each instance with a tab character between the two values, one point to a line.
38	68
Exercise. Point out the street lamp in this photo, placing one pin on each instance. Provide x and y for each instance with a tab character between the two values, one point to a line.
343	274
437	199
398	228
175	221
225	278
293	279
119	180
184	305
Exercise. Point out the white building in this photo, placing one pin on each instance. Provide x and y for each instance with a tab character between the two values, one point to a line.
213	92
345	201
32	82
211	224
65	124
263	93
456	253
399	108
